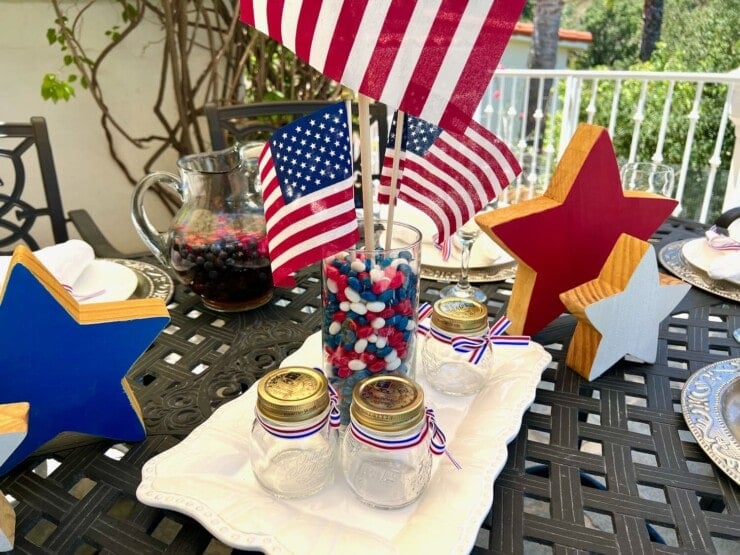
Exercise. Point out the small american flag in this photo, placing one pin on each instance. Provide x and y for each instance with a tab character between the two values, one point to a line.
430	59
448	176
307	186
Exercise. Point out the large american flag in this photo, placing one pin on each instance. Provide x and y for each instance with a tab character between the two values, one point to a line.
430	58
307	187
448	176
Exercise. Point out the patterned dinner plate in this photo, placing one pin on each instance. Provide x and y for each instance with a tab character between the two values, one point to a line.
711	406
672	259
152	281
475	275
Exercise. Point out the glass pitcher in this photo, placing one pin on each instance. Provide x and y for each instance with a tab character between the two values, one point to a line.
216	243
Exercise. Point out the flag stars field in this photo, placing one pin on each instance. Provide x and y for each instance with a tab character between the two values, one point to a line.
306	171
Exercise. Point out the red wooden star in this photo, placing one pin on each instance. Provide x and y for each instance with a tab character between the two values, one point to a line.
563	238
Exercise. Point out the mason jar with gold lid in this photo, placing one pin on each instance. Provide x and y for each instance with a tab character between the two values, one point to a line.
292	394
387	403
294	440
386	455
455	355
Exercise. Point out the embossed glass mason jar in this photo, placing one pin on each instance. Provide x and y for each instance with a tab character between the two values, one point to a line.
466	370
386	455
294	439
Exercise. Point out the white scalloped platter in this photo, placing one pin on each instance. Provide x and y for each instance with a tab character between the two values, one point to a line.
207	476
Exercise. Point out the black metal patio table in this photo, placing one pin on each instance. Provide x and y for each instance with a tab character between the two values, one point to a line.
607	466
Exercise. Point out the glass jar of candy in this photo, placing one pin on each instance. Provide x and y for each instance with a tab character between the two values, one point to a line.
386	455
370	298
294	444
455	353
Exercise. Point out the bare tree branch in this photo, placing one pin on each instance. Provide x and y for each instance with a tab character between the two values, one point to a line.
207	56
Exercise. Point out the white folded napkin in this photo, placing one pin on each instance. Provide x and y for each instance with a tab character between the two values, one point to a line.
726	266
65	261
721	242
725	260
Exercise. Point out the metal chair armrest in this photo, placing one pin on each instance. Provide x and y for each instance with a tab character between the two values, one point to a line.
91	234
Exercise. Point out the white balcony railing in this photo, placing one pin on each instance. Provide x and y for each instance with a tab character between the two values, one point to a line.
679	119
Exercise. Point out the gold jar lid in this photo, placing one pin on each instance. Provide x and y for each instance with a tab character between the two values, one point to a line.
387	403
459	315
292	394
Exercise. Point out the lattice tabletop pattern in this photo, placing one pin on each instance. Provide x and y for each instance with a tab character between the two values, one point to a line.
604	467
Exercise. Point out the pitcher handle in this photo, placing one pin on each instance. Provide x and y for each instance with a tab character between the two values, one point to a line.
153	239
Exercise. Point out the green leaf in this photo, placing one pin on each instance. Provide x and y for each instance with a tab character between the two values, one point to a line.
84	83
129	13
68	59
72	78
51	35
53	89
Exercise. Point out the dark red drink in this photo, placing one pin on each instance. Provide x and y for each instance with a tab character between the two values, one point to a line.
230	272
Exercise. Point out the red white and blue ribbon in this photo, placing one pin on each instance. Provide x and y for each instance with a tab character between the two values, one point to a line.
334	417
425	310
437	443
290	433
476	346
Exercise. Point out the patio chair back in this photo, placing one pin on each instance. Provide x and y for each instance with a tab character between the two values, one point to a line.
22	209
257	121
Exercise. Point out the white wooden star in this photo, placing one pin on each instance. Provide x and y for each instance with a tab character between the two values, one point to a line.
620	312
13	429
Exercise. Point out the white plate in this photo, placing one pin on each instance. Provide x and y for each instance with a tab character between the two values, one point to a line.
700	255
207	476
484	253
116	282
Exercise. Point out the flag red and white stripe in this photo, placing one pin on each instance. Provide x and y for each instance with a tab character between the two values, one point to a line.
432	59
448	176
308	192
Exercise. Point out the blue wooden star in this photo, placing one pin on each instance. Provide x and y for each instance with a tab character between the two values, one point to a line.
69	360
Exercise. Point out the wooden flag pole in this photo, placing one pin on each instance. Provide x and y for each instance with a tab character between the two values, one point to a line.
394	178
347	96
363	103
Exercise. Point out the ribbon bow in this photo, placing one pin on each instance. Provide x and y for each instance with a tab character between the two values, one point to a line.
425	309
335	416
438	441
477	346
474	345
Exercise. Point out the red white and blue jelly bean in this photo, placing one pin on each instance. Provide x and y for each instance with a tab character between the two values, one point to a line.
369	322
